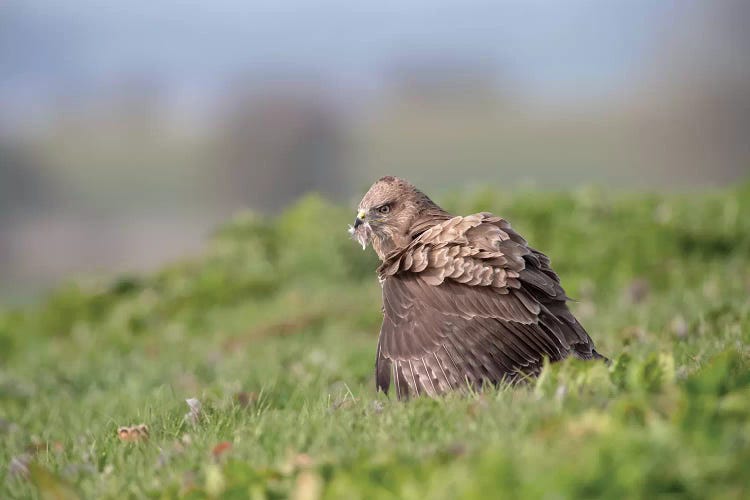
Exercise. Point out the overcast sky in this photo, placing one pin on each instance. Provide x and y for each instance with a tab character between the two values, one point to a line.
557	49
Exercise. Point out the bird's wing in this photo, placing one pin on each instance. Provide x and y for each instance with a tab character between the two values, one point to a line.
468	301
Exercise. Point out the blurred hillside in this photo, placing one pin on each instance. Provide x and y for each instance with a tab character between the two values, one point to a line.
607	247
273	329
126	135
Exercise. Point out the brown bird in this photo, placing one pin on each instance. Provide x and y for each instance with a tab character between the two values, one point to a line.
466	301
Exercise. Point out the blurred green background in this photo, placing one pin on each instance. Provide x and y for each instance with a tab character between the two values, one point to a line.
129	131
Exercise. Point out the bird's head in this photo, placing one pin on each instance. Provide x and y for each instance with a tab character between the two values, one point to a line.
386	214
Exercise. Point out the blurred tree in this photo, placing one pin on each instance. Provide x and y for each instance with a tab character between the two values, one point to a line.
22	186
280	144
696	97
23	191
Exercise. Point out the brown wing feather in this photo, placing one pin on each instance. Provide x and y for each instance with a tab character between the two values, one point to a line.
450	322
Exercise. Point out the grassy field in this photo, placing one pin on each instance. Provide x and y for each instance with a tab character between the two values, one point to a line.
273	331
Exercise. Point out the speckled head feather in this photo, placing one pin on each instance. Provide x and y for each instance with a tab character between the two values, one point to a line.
389	211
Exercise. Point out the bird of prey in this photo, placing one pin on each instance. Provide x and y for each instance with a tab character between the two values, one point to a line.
466	301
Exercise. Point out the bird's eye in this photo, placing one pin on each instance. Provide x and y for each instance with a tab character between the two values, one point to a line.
384	209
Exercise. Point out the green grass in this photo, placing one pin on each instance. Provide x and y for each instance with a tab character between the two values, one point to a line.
274	331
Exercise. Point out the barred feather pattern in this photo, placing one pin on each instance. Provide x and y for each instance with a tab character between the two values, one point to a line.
467	303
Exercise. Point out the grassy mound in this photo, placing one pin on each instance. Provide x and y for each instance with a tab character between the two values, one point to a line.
273	330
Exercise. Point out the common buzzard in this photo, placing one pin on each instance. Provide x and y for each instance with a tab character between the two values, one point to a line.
465	300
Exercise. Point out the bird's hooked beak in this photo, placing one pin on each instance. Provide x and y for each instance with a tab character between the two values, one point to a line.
361	232
360	219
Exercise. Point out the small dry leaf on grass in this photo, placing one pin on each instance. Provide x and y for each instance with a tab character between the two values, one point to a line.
220	449
133	434
193	416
